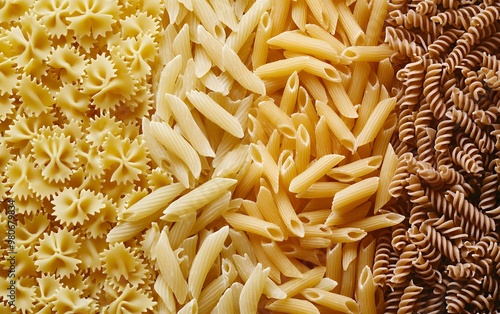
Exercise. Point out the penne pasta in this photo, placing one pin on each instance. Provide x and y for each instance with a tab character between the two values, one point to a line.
346	235
341	99
252	290
336	126
386	176
208	252
299	14
197	198
354	195
278	118
215	113
263	33
354	170
376	22
377	222
254	225
350	26
299	42
366	291
240	72
367	53
280	68
292	306
309	279
314	172
331	300
375	121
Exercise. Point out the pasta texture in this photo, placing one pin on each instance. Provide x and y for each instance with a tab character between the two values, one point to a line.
446	143
217	156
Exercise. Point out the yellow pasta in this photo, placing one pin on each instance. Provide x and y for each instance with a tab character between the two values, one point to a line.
252	290
336	125
354	195
376	121
356	169
254	225
232	63
331	300
283	67
367	53
318	169
263	33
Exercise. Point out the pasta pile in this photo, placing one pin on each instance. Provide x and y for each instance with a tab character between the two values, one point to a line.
444	257
193	156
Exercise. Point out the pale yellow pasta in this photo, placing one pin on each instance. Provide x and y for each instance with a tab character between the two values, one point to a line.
280	68
225	304
323	141
254	225
261	155
215	113
319	33
357	86
309	279
263	33
333	262
189	127
166	85
314	172
366	253
377	222
326	284
242	244
333	16
336	126
384	136
349	260
240	72
176	144
345	235
376	22
250	179
386	175
314	216
370	100
197	198
252	290
292	306
288	214
189	308
356	169
181	230
165	293
375	121
385	73
299	14
353	31
152	203
208	252
247	24
268	209
202	61
354	195
245	268
303	149
290	92
331	300
262	258
299	42
169	268
214	290
182	44
317	230
366	291
359	212
225	13
214	210
317	9
367	53
315	243
208	18
361	13
212	46
317	67
341	99
281	261
278	118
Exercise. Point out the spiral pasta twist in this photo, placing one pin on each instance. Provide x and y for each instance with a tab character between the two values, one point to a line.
481	138
470	212
464	296
489	185
444	245
459	18
486	17
409	298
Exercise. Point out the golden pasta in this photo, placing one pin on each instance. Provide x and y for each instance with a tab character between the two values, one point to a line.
204	156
